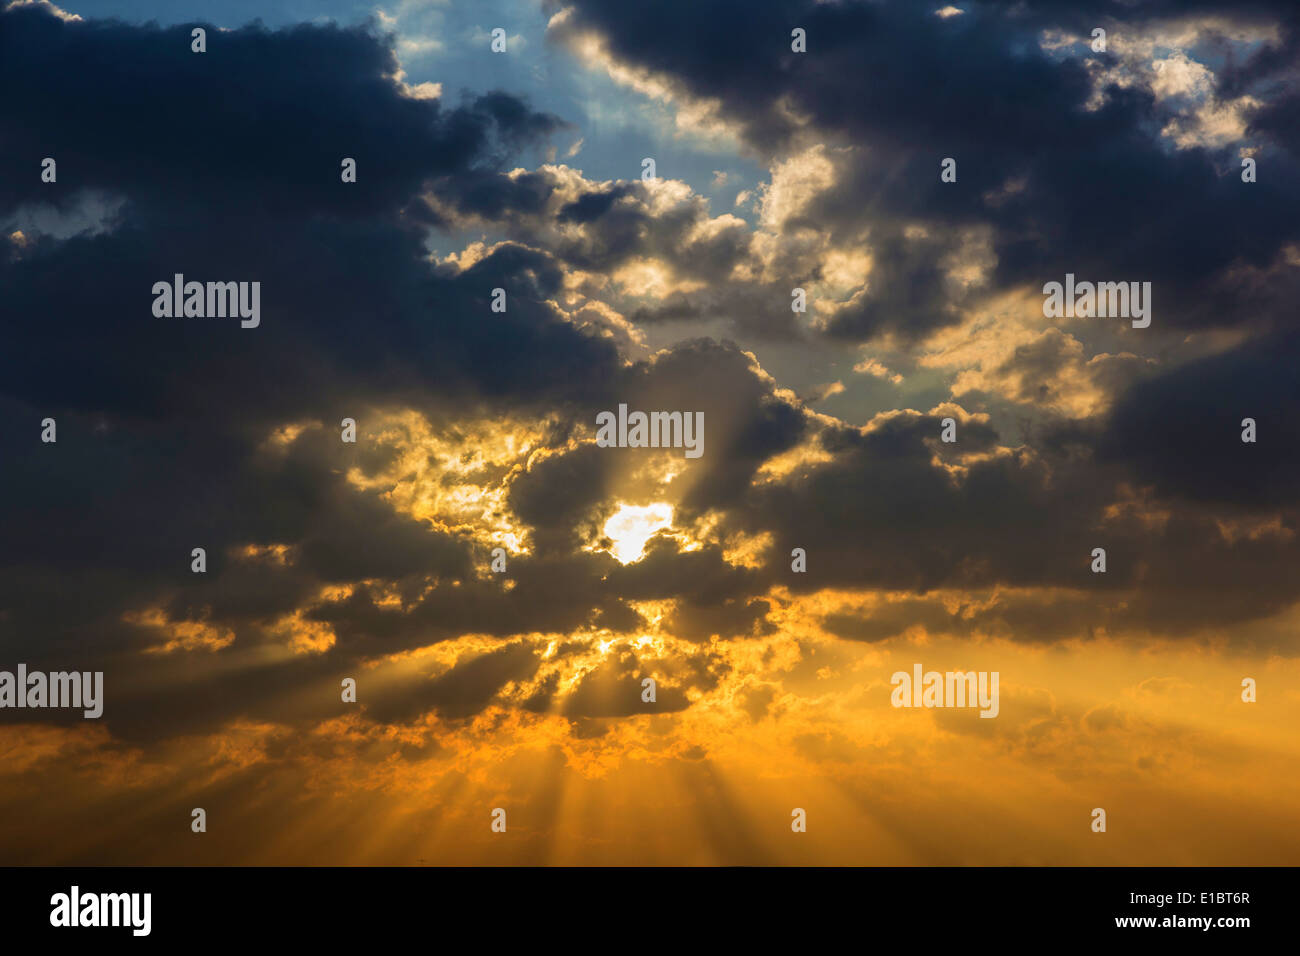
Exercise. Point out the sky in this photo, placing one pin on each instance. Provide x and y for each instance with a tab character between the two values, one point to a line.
825	539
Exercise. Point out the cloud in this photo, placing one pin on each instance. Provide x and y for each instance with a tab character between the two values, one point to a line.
329	560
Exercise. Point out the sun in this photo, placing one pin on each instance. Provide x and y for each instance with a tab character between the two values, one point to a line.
631	526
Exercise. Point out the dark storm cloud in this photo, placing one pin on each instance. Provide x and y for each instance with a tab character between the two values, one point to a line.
908	296
465	689
555	495
352	311
594	205
882	514
227	164
617	222
1100	191
745	422
1181	432
261	121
